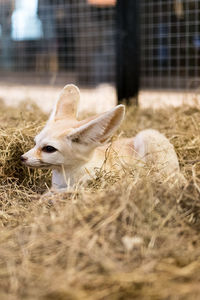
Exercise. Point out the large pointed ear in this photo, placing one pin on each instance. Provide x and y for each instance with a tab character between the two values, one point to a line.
99	130
67	103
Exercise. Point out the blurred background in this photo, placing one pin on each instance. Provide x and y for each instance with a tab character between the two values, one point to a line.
112	49
57	38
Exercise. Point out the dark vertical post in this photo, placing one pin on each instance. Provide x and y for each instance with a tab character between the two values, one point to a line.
128	60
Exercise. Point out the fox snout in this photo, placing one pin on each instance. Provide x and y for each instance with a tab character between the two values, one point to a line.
23	158
42	157
26	158
30	159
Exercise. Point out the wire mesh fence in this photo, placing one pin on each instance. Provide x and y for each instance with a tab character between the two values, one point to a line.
57	38
75	40
170	43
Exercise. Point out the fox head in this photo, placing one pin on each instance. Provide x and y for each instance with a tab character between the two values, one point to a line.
65	141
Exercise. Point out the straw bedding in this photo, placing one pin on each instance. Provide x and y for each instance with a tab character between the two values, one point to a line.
121	237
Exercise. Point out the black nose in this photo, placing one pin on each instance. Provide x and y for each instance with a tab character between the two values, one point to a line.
23	158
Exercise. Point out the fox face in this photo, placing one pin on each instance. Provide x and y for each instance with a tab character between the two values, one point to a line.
52	147
65	141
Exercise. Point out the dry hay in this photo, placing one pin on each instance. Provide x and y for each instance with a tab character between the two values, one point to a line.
119	238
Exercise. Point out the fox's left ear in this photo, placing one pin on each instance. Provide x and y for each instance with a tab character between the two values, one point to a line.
67	103
99	130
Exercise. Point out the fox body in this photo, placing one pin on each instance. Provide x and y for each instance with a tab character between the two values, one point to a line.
74	149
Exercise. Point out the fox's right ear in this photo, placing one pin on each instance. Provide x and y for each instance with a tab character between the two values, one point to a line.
99	130
67	103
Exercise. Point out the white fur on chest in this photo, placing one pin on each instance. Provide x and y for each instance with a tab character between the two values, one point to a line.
64	177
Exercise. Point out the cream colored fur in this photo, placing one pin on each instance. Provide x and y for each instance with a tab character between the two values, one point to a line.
74	149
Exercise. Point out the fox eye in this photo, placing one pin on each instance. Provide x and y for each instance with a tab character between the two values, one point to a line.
49	149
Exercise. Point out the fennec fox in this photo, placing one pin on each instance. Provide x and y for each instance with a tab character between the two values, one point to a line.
74	149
